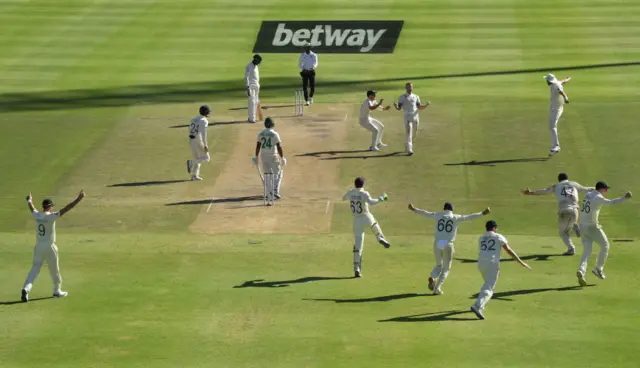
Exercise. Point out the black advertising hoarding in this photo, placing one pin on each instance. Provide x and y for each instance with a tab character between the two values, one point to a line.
337	37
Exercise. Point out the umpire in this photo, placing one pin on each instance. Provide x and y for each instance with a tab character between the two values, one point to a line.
308	64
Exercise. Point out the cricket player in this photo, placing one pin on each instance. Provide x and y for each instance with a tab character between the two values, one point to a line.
445	234
198	142
374	126
359	201
46	249
269	147
252	84
592	232
308	63
567	195
410	103
489	246
557	100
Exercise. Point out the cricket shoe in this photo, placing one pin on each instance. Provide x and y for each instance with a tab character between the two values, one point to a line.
581	280
576	228
25	295
374	149
382	145
554	151
189	166
60	294
277	196
311	99
357	274
196	178
432	283
599	274
307	103
438	291
384	242
570	252
477	312
409	153
251	121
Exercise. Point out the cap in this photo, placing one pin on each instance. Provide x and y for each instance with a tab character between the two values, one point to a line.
550	77
47	203
371	93
490	225
308	44
602	185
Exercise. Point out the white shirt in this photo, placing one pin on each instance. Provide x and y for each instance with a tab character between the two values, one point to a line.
198	128
45	226
446	223
308	61
556	99
359	201
489	246
365	111
269	139
566	193
251	76
409	104
591	205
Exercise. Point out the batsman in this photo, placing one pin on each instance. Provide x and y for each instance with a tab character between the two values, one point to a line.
269	147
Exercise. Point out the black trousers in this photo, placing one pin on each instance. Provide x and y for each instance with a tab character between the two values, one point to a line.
308	80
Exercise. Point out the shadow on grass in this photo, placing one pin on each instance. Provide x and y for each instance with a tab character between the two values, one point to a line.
451	315
21	302
332	153
504	295
214	123
364	157
494	162
146	183
531	257
385	298
218	200
263	107
285	283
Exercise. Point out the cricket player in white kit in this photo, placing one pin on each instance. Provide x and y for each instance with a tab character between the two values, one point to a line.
252	84
269	148
445	234
46	249
567	195
374	126
410	103
198	142
557	99
592	232
489	246
359	201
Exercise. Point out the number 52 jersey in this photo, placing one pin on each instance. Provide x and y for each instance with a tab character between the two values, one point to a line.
489	246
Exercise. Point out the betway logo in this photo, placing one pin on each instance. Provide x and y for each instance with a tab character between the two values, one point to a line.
329	36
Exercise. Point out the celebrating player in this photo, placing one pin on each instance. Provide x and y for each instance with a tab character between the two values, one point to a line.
558	99
445	234
198	142
374	126
410	103
270	149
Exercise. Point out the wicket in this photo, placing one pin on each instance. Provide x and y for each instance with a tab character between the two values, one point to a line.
298	101
269	187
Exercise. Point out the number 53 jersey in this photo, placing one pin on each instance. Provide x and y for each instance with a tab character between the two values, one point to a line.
489	246
46	227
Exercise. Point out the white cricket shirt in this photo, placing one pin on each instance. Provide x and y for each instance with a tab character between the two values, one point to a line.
556	99
446	223
365	111
591	205
489	246
198	128
45	226
269	140
359	201
251	75
409	104
308	61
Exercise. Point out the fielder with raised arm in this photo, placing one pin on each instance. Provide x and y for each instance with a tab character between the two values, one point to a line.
269	148
374	126
46	249
359	201
410	103
445	234
489	246
252	84
557	100
567	195
592	232
198	142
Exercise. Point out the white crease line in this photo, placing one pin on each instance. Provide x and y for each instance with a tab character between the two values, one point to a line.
210	204
326	211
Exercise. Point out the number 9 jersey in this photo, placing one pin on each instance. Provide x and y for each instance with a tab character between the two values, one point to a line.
489	246
46	227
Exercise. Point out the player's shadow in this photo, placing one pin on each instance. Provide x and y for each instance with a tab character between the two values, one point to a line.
263	107
385	298
452	315
494	162
214	123
218	200
363	157
531	257
146	183
21	302
285	283
330	153
504	295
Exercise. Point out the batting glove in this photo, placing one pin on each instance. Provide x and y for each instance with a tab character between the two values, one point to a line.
254	160
284	162
384	197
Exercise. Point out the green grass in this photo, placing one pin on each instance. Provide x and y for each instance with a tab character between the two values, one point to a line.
89	89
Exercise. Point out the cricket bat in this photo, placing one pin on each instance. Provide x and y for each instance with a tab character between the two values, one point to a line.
259	108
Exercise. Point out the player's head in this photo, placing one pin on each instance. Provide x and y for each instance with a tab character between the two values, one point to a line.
550	78
371	94
448	206
307	47
47	204
602	187
491	225
409	87
359	182
205	110
257	59
563	177
269	123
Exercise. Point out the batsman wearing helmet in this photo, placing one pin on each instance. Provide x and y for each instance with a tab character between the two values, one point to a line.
198	142
269	147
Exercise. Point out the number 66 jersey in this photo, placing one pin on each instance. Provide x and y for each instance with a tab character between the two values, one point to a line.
446	223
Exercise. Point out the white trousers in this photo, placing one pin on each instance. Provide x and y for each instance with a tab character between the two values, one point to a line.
199	155
253	100
444	258
271	164
360	224
375	127
44	252
554	116
410	129
590	234
567	219
489	271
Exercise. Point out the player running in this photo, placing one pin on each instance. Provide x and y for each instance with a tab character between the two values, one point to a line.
410	103
445	234
489	246
557	100
567	195
592	232
374	126
359	201
269	146
198	142
46	249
